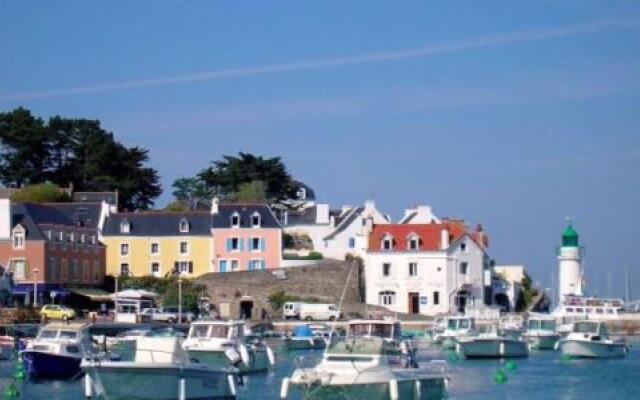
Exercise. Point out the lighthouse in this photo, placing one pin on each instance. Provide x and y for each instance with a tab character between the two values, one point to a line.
570	264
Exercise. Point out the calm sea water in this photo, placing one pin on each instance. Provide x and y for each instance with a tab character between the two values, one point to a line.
542	376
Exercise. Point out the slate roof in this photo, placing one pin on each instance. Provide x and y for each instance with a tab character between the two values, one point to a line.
223	218
85	215
159	224
20	215
96	197
33	215
345	221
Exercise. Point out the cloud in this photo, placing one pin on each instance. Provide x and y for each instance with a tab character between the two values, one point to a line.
480	42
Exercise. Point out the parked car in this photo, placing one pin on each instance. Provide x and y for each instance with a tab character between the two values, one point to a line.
55	311
168	314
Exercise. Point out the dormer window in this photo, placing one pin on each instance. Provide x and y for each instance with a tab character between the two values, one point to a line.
235	220
413	242
125	226
18	237
184	226
387	242
255	220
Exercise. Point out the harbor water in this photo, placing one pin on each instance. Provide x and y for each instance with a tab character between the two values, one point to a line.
544	375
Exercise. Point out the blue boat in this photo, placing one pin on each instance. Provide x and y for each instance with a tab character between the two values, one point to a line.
57	350
303	338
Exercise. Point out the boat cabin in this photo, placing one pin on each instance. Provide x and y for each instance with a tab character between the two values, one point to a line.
460	323
541	324
230	330
389	329
70	338
591	328
589	307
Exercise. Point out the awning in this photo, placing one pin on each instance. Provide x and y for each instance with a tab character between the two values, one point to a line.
27	288
135	294
95	295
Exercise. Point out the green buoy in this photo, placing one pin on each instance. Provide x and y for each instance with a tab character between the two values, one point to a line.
11	391
511	365
565	358
500	377
20	375
453	356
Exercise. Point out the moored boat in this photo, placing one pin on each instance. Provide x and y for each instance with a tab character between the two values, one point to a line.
590	339
303	338
491	345
456	327
157	368
541	332
225	343
58	350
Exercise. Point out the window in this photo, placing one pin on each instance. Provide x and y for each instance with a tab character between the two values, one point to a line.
352	243
155	248
51	269
463	247
60	237
184	226
413	269
96	271
71	237
464	267
19	267
414	243
256	243
155	268
124	249
255	265
234	244
436	298
387	243
235	220
234	265
184	248
124	269
386	269
85	270
18	237
93	239
83	238
387	298
49	235
255	220
184	267
64	269
125	226
75	275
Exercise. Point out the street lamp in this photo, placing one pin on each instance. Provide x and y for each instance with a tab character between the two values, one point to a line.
179	298
35	287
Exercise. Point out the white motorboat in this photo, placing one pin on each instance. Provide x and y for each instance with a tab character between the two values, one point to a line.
225	343
159	369
366	365
590	339
541	332
58	350
456	327
511	325
490	344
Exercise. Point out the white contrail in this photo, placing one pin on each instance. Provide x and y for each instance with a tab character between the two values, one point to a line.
493	40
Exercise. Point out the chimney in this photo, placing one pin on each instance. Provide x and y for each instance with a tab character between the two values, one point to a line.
214	205
5	219
369	207
322	213
444	238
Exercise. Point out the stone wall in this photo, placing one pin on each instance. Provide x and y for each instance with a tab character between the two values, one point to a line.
324	282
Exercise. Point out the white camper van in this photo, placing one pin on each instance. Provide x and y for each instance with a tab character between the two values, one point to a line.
319	312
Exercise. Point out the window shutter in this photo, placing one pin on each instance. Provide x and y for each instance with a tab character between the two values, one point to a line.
250	266
262	243
240	244
176	267
191	267
262	265
223	266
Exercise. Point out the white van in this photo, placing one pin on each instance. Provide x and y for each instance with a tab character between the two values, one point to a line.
318	312
291	310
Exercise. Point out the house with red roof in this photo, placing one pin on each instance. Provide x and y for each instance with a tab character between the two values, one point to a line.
427	268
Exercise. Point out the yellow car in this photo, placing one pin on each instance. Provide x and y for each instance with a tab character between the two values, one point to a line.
54	311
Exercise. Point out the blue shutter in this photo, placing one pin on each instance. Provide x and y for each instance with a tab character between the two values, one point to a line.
228	244
223	265
262	243
250	266
241	244
262	265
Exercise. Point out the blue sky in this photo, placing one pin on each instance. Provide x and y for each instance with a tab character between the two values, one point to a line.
512	114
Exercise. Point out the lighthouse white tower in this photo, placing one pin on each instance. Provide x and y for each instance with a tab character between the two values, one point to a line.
570	264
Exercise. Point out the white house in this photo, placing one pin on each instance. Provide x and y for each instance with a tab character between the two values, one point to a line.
335	233
427	269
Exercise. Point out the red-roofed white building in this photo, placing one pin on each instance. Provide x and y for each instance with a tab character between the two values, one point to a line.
426	268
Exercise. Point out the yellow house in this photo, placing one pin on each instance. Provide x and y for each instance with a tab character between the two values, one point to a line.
158	243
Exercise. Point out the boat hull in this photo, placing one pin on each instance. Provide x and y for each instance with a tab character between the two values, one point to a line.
47	365
591	349
492	348
427	389
541	342
258	360
305	343
158	382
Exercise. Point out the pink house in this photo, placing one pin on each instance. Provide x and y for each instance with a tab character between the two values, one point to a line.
246	237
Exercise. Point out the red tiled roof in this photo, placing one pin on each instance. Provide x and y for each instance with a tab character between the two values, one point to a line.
429	234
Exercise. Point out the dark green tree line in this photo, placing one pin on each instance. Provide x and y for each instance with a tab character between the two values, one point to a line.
74	151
